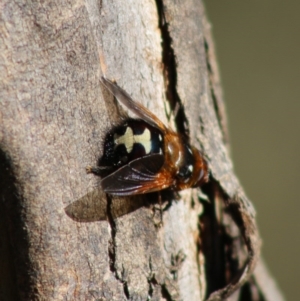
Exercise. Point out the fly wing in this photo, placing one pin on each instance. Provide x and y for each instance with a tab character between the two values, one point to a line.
135	107
142	175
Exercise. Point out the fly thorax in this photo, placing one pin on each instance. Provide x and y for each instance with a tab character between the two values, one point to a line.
135	139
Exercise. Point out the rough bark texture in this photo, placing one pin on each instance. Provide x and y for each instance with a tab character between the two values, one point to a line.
53	121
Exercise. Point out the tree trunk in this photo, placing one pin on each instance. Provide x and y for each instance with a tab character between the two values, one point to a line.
53	121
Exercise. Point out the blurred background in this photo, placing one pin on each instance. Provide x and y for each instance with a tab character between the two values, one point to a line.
258	48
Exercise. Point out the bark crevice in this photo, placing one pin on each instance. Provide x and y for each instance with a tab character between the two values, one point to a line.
170	72
112	247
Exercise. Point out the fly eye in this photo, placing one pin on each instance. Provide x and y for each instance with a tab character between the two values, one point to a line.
186	168
185	172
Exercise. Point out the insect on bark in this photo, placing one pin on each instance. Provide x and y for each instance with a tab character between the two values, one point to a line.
143	155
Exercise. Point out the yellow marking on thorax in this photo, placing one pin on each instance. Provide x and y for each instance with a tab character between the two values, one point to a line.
128	139
144	139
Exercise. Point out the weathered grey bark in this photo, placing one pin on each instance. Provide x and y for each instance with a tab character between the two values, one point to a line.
53	121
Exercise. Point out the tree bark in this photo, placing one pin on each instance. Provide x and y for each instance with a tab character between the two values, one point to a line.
54	118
